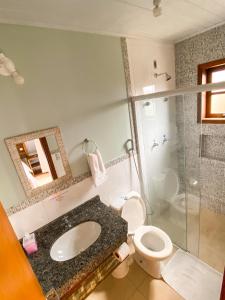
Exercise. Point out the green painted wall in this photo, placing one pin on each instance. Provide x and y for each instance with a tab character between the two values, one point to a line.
72	80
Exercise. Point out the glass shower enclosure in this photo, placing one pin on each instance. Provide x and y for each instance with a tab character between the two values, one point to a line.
181	170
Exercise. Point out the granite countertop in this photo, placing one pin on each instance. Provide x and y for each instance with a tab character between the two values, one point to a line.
64	276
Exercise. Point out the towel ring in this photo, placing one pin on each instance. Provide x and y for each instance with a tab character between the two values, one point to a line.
85	145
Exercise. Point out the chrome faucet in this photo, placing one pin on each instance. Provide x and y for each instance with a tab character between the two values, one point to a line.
164	139
155	144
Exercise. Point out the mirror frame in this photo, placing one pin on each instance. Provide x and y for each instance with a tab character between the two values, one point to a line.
49	188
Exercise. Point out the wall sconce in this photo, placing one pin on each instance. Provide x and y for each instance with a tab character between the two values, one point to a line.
7	68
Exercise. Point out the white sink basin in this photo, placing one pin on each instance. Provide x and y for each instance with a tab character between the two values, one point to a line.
75	241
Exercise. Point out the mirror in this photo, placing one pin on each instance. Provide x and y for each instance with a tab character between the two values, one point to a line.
40	159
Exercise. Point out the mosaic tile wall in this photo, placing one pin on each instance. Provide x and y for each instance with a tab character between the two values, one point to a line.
199	49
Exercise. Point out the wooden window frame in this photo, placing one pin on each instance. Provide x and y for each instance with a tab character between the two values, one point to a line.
204	114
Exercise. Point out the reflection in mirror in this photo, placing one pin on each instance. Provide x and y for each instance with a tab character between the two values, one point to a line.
41	160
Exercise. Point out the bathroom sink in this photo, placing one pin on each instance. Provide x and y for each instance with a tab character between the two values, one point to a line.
74	241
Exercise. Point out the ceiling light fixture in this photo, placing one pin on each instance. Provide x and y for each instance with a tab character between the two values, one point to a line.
157	10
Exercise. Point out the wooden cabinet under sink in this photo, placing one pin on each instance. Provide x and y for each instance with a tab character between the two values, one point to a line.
17	280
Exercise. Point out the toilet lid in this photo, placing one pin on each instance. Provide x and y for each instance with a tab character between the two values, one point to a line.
133	212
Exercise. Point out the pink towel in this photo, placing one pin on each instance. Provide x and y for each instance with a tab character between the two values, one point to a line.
97	167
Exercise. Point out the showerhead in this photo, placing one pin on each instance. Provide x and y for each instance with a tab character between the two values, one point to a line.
168	77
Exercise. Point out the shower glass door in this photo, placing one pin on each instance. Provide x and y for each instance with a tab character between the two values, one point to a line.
183	171
169	189
204	172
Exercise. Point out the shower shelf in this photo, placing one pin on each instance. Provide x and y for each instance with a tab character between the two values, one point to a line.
213	147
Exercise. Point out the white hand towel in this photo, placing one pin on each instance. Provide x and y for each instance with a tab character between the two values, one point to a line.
100	162
97	167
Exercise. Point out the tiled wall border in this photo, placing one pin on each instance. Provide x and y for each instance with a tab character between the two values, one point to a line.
132	112
62	186
131	105
126	66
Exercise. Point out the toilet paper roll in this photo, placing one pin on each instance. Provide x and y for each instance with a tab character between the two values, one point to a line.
122	252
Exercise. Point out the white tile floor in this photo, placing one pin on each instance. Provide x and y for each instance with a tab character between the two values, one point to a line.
208	228
212	239
137	285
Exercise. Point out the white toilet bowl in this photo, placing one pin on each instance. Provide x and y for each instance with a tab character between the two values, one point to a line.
152	245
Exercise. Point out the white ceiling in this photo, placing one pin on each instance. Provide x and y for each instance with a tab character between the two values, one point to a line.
132	18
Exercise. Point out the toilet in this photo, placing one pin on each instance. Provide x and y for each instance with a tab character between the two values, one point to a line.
166	185
167	190
152	245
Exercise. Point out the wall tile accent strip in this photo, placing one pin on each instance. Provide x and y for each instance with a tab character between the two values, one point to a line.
60	187
131	107
126	66
199	49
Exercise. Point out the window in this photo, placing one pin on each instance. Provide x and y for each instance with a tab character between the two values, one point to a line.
211	105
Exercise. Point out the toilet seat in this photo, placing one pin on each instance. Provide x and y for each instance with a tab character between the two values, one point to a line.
152	242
